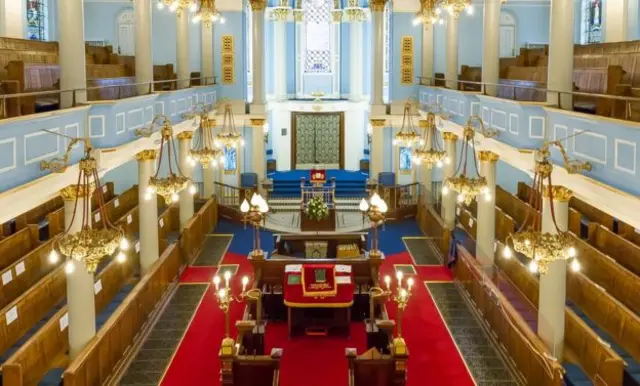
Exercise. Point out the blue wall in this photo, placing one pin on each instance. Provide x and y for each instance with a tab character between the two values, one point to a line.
235	22
402	25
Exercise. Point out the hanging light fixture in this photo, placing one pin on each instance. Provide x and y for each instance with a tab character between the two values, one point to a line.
204	150
208	13
353	12
543	248
429	14
431	154
456	7
168	187
469	187
407	136
178	5
228	137
92	242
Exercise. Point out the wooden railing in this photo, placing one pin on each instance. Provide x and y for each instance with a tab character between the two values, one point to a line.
433	226
529	353
620	249
196	228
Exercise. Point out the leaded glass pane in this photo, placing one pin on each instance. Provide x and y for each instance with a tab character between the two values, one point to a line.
36	19
318	36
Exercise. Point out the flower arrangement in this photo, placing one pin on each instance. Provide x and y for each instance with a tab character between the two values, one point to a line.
317	209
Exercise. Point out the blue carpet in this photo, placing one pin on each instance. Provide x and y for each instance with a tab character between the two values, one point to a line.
242	242
348	183
390	236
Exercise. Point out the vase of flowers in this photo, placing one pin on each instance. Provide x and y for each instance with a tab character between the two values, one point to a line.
317	209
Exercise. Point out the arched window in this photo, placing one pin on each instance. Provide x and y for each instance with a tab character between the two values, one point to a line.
318	50
125	27
386	27
591	21
37	20
249	50
507	35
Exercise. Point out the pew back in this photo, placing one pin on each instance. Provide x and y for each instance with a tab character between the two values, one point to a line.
255	370
17	245
622	250
433	226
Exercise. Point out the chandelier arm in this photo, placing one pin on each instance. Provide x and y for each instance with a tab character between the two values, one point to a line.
526	218
552	206
75	207
86	204
475	163
175	158
159	158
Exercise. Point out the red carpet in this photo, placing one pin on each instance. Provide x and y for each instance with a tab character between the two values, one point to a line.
433	360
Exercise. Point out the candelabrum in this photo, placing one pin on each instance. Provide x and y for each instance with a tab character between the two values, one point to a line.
400	297
375	210
225	296
407	136
431	154
254	213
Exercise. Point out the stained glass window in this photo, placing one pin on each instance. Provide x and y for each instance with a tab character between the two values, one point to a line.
230	160
249	45
591	21
318	36
37	19
405	160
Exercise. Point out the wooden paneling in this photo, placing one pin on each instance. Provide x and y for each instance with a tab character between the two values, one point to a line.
17	245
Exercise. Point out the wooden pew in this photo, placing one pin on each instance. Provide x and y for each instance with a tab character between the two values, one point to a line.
165	74
95	363
193	235
48	347
522	344
38	215
374	368
620	249
108	89
518	210
255	370
17	245
25	272
32	77
433	226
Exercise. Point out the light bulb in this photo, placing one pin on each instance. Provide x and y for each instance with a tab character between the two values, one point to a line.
174	197
227	275
245	280
447	160
192	189
470	10
160	5
438	11
363	205
173	7
191	161
242	142
216	280
382	206
416	20
445	190
222	293
196	19
527	242
441	21
487	197
69	268
222	20
121	258
506	252
421	142
410	282
387	280
150	189
572	252
460	197
124	244
399	275
439	164
193	7
244	207
147	196
54	257
403	293
214	163
533	266
485	190
575	265
263	207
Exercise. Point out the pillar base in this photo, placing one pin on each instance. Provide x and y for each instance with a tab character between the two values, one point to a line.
257	109
377	110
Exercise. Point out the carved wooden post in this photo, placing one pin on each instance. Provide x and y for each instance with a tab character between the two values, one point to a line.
400	357
226	358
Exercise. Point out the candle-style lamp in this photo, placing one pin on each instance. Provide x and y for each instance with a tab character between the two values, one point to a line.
225	296
254	213
375	210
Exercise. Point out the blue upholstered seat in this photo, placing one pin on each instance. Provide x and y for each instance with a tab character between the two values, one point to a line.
575	376
53	377
269	154
248	180
387	178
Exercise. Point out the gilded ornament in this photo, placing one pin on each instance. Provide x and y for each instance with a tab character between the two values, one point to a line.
280	14
257	122
185	135
147	155
488	156
73	192
377	5
258	5
560	193
448	136
378	122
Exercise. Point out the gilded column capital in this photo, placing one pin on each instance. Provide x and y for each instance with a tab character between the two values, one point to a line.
448	136
560	193
147	155
73	192
185	135
257	122
258	5
377	5
488	156
378	122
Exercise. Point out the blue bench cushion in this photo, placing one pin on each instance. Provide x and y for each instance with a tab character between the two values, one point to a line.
248	180
387	178
575	376
53	377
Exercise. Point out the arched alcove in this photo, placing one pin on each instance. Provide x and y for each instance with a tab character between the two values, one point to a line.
125	33
508	33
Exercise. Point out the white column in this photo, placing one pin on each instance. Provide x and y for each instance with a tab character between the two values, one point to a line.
147	211
560	72
280	56
376	156
186	198
257	149
377	67
491	45
632	20
144	56
486	229
448	208
71	57
206	53
80	296
258	103
182	48
13	19
208	179
451	49
427	51
615	20
551	307
356	76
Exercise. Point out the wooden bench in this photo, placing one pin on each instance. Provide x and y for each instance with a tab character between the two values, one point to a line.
36	216
625	252
374	368
17	245
165	74
433	227
523	345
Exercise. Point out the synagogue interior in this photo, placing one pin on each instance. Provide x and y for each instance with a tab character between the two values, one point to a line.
319	192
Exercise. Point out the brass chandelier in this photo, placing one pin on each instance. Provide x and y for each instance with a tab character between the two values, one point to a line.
431	154
204	151
543	248
429	13
168	187
228	137
407	136
207	13
90	244
469	187
178	5
456	7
